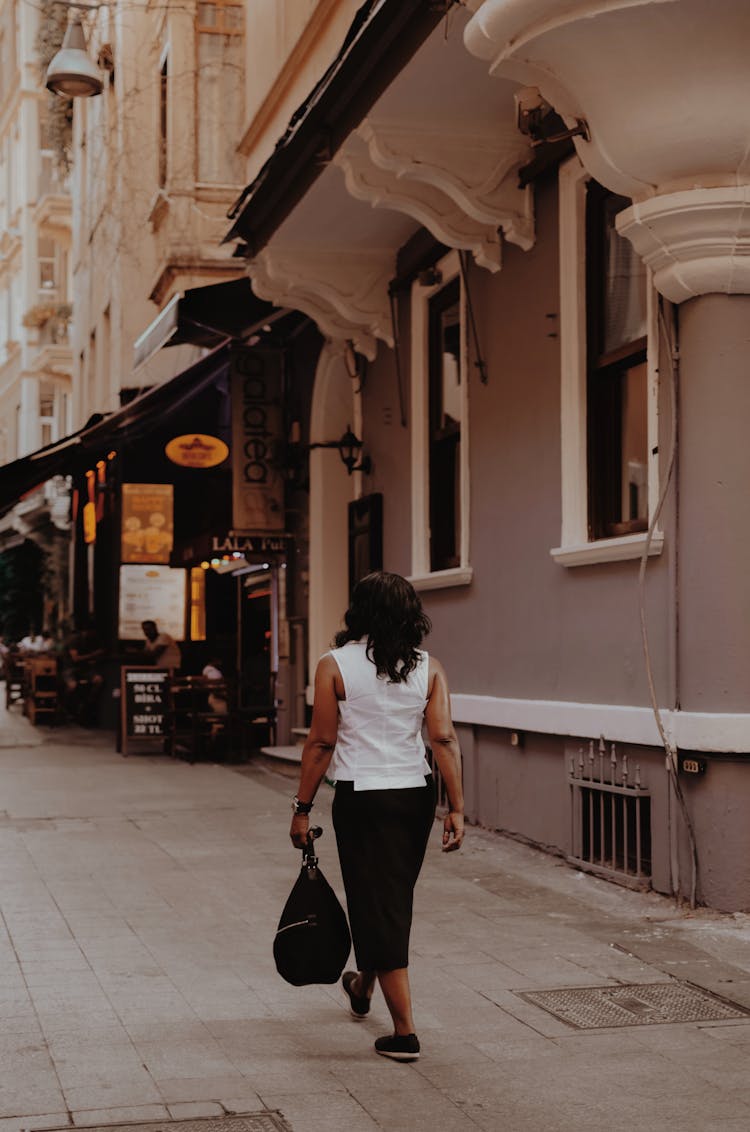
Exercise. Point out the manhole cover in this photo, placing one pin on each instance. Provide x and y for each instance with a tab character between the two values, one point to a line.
247	1122
648	1004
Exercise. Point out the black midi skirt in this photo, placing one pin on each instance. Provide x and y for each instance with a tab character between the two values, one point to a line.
382	837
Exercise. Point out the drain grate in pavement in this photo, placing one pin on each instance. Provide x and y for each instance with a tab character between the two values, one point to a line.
246	1122
645	1004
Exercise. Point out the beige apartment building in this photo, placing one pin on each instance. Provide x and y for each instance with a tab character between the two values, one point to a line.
36	360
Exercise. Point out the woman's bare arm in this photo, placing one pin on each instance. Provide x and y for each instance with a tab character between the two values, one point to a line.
319	745
445	748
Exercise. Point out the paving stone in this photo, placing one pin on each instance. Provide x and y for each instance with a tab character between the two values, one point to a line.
34	1123
323	1112
203	1088
135	1113
193	1109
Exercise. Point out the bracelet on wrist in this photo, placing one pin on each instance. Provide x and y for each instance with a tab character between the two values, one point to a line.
301	807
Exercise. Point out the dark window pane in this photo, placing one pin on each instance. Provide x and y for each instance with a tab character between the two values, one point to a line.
617	374
445	414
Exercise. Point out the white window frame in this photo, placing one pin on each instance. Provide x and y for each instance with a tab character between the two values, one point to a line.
422	577
576	549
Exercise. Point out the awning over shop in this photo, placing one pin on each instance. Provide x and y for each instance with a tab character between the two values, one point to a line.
204	316
136	419
381	39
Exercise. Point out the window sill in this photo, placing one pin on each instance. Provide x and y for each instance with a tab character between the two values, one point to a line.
442	579
607	550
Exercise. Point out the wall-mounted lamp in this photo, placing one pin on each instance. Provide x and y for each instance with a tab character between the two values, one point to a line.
349	448
71	73
538	120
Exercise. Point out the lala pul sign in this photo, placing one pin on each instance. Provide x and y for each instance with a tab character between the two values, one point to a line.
257	480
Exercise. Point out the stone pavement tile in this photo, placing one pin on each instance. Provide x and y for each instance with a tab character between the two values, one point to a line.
202	1088
480	976
735	1032
36	1099
155	1029
400	1109
298	1075
529	1048
246	1101
98	1116
371	1072
323	1112
34	1123
709	1111
185	1059
93	1063
533	1016
115	1094
193	1110
601	1044
730	1074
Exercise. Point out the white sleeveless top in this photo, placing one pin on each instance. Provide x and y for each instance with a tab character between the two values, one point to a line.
379	744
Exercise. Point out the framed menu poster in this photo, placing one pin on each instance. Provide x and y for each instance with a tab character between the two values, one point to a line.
152	593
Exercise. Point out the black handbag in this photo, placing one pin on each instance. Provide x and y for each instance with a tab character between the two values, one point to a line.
312	941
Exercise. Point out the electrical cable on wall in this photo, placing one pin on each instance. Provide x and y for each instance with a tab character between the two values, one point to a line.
669	747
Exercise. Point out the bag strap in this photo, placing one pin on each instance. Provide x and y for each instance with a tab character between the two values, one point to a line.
309	860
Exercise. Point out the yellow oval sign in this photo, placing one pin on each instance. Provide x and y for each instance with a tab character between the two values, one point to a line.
196	450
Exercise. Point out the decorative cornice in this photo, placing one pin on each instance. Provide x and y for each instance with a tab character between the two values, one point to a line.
462	186
696	242
476	169
194	269
344	290
53	216
653	136
429	206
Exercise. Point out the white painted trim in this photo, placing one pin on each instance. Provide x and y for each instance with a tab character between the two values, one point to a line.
720	732
449	268
442	579
608	550
572	220
575	548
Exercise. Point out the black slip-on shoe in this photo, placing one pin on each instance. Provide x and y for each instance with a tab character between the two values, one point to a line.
359	1004
399	1047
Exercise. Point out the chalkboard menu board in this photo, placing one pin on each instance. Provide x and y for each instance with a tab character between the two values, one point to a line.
145	703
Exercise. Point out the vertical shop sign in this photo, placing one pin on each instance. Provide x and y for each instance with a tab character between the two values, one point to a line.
257	479
147	522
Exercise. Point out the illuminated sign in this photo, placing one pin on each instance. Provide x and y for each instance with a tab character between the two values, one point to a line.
89	522
196	450
147	522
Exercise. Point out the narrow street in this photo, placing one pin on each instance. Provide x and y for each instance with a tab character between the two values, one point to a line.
139	899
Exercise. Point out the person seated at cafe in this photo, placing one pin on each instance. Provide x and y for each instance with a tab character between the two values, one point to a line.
217	695
35	643
81	676
161	649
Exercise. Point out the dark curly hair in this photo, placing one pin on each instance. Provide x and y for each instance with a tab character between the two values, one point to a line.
386	609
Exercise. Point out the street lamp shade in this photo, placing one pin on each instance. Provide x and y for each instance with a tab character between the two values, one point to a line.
71	73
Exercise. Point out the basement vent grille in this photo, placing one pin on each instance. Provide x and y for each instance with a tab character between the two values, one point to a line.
611	816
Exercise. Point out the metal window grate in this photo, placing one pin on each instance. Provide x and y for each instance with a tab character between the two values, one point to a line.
611	816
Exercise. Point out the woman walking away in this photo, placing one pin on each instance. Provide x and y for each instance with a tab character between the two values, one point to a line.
372	694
